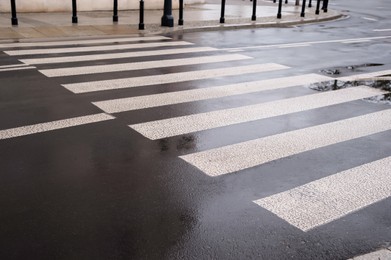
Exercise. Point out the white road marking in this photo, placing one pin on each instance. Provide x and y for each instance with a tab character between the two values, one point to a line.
169	78
369	19
97	48
109	56
322	201
308	43
12	66
209	120
156	100
294	45
80	42
384	254
382	30
356	41
54	125
72	71
252	153
18	68
364	76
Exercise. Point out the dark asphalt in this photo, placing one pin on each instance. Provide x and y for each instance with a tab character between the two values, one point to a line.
103	191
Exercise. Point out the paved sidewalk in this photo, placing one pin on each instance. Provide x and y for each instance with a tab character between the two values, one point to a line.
196	18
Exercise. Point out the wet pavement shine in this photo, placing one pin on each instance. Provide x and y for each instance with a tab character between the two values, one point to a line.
238	144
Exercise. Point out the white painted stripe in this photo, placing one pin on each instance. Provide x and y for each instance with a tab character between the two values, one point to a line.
12	66
252	153
204	121
384	254
62	72
357	41
383	78
333	197
79	42
382	30
365	75
369	19
18	68
169	78
54	125
294	45
313	42
110	56
97	48
156	100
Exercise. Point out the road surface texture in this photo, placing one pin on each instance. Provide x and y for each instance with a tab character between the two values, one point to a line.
244	144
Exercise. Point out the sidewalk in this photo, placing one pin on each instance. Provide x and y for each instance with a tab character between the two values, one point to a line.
196	18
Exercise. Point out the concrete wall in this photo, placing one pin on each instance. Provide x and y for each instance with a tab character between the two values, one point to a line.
84	5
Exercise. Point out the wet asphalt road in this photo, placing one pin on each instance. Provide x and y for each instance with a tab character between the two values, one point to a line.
104	191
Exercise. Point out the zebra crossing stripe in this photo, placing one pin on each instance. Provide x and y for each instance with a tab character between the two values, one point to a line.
110	56
62	72
156	100
252	153
322	201
18	68
12	66
97	48
169	78
79	42
54	125
364	76
220	118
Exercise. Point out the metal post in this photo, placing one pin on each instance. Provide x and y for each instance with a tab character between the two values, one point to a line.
74	11
317	7
274	1
303	9
14	19
167	19
254	16
141	23
180	20
286	1
222	20
279	9
325	4
310	4
115	11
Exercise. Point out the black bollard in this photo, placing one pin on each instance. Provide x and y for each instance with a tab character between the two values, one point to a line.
303	9
222	19
115	11
167	19
254	16
310	4
180	20
274	1
317	7
279	9
141	23
286	1
325	5
14	19
74	11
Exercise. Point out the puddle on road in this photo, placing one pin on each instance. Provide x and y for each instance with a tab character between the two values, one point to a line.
350	68
381	82
377	83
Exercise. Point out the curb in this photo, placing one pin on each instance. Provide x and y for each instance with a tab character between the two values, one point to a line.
283	24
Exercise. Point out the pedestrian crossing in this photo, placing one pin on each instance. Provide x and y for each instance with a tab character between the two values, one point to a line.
322	201
220	118
305	207
143	81
73	71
